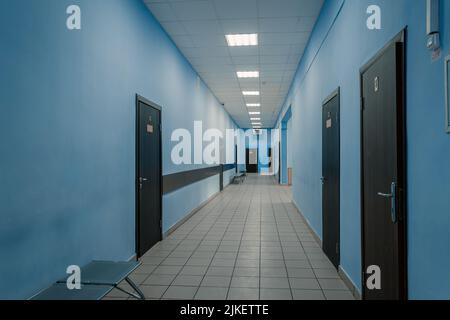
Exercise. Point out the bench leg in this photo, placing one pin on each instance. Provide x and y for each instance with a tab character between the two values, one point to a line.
139	294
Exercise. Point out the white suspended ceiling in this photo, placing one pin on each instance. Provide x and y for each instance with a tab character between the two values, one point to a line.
198	27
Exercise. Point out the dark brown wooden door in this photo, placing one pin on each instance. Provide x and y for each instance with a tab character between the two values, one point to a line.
331	179
382	173
148	218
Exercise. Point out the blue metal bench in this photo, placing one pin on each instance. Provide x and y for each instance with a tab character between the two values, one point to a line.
240	178
97	279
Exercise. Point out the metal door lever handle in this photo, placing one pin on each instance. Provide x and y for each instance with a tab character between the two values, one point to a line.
385	195
393	197
142	180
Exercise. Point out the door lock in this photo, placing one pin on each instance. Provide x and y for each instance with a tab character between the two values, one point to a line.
393	197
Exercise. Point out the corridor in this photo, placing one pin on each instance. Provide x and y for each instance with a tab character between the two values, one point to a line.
128	127
248	243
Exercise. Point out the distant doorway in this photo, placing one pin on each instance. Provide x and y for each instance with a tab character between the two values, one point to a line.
251	160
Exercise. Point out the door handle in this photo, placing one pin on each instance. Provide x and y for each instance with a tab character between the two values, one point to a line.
393	197
142	179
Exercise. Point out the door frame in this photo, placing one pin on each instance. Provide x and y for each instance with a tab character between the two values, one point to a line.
140	99
401	165
334	94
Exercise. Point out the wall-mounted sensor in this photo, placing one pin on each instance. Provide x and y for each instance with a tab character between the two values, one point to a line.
433	37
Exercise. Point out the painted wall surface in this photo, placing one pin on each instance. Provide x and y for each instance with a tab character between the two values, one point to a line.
339	46
289	142
67	133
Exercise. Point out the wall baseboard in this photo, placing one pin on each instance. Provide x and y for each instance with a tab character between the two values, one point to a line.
349	283
345	278
315	235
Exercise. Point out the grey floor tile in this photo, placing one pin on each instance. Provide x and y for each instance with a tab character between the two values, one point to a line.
152	260
274	283
117	294
198	262
246	272
338	295
308	284
145	269
332	284
297	264
243	294
326	273
153	292
138	278
308	294
273	272
223	262
301	273
216	281
275	294
210	293
321	264
246	263
245	282
170	270
273	263
159	279
189	281
194	271
179	254
220	271
174	262
180	293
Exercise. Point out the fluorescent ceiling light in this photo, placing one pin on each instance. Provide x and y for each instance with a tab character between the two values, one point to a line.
255	119
238	40
254	113
250	93
248	74
256	124
253	105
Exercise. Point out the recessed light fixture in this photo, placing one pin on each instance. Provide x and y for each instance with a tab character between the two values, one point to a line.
254	113
255	119
250	93
239	40
248	74
253	105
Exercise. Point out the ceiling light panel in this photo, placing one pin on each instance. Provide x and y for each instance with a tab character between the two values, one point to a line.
248	74
241	40
250	93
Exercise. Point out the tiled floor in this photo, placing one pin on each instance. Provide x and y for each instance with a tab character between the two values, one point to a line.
248	243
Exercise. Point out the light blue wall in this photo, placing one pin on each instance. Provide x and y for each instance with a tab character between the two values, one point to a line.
340	45
67	131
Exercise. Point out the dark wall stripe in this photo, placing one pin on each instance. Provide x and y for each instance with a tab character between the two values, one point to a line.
176	181
227	167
